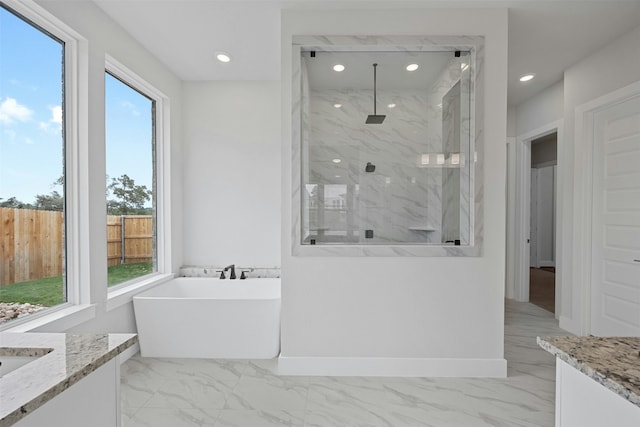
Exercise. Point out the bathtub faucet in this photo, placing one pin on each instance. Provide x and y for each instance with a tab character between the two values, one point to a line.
233	271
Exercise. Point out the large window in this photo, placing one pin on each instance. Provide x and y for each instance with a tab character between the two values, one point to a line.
131	183
32	168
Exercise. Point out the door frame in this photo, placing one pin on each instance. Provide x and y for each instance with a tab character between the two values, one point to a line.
521	257
582	245
533	217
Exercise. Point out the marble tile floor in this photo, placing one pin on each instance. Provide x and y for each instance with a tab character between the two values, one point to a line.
247	393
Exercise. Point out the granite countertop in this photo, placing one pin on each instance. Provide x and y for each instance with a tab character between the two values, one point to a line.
614	362
65	360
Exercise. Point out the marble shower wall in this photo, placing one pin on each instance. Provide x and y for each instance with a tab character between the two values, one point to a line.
401	201
392	199
475	125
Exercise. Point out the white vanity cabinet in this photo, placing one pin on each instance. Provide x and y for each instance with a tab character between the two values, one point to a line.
93	401
582	402
72	381
597	380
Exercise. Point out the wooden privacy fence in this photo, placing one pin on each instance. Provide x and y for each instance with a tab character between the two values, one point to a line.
31	243
129	239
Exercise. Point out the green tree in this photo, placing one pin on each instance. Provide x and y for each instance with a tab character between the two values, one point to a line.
127	197
14	203
50	202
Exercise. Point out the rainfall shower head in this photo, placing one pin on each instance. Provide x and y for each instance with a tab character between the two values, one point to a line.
374	119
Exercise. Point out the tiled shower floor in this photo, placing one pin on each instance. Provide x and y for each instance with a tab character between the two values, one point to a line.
246	393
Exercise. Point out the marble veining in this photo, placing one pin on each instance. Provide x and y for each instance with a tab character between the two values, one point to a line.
242	393
211	271
401	183
613	362
66	359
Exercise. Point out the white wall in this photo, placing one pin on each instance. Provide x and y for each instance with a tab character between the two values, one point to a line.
106	37
446	312
612	67
544	151
511	121
544	108
232	173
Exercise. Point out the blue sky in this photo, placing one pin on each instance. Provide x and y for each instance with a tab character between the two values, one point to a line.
31	152
128	133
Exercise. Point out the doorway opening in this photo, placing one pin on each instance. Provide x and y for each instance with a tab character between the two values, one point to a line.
543	201
519	255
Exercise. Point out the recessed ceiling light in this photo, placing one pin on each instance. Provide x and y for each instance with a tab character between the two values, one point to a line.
338	67
336	160
223	57
412	67
392	105
463	66
527	77
337	105
338	176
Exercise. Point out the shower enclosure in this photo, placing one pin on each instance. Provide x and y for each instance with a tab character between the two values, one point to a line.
406	179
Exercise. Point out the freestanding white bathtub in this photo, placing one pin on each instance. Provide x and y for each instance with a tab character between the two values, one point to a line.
210	318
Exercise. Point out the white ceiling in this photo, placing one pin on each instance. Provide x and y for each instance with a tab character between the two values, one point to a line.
545	36
391	70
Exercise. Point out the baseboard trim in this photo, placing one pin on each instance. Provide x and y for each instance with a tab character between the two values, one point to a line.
392	367
569	325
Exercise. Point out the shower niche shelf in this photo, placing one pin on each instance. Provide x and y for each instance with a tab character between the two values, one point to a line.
425	228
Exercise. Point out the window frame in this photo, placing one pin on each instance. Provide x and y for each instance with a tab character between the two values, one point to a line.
84	294
117	295
74	100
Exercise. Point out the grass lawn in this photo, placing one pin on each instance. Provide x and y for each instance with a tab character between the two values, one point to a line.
48	291
121	273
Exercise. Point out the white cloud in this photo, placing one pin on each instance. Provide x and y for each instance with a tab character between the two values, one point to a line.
11	111
56	115
10	136
132	108
56	120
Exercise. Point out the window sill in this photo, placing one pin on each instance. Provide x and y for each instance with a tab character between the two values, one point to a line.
64	318
124	295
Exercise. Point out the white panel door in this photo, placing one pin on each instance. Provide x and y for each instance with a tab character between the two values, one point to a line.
615	275
546	217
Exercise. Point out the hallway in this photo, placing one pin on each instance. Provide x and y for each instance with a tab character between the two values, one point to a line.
542	287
